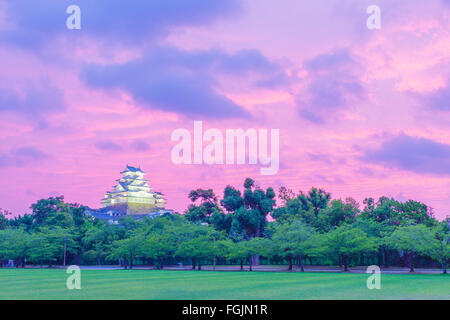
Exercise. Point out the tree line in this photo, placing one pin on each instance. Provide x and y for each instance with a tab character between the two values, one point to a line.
304	228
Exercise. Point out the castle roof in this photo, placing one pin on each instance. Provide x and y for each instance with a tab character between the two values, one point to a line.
132	169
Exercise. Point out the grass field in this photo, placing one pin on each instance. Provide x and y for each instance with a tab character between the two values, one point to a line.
146	284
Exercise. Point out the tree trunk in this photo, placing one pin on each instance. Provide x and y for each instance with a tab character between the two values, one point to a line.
344	262
290	264
193	264
411	262
380	257
444	268
300	262
131	263
386	258
242	265
199	266
250	263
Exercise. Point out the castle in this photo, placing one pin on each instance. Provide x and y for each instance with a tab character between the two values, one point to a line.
132	196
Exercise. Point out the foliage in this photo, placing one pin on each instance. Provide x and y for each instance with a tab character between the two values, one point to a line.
290	241
412	240
346	241
236	229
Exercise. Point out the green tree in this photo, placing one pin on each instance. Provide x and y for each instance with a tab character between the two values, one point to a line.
338	213
158	247
308	206
24	222
47	244
256	247
15	244
393	212
317	198
221	221
198	249
411	240
249	219
245	250
289	241
95	241
237	251
417	212
127	249
440	250
345	242
55	212
3	219
378	232
208	205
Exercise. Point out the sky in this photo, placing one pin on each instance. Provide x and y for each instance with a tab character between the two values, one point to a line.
361	113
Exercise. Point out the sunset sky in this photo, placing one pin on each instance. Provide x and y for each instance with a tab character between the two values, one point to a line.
361	113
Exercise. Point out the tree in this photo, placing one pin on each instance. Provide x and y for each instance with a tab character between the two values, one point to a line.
378	232
24	222
417	212
127	249
208	205
95	240
47	244
3	219
256	247
339	212
15	244
158	247
221	221
198	249
285	194
237	251
440	250
411	240
245	250
346	241
292	208
221	248
289	241
250	218
384	210
55	212
307	206
394	212
232	199
182	234
317	198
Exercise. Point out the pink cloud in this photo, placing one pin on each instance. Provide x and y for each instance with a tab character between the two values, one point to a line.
404	56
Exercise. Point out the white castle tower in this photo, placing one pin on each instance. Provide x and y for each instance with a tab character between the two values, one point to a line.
133	195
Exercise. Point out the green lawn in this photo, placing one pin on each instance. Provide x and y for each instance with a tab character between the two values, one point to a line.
145	284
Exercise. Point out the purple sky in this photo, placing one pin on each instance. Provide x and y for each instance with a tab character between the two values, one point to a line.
361	113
